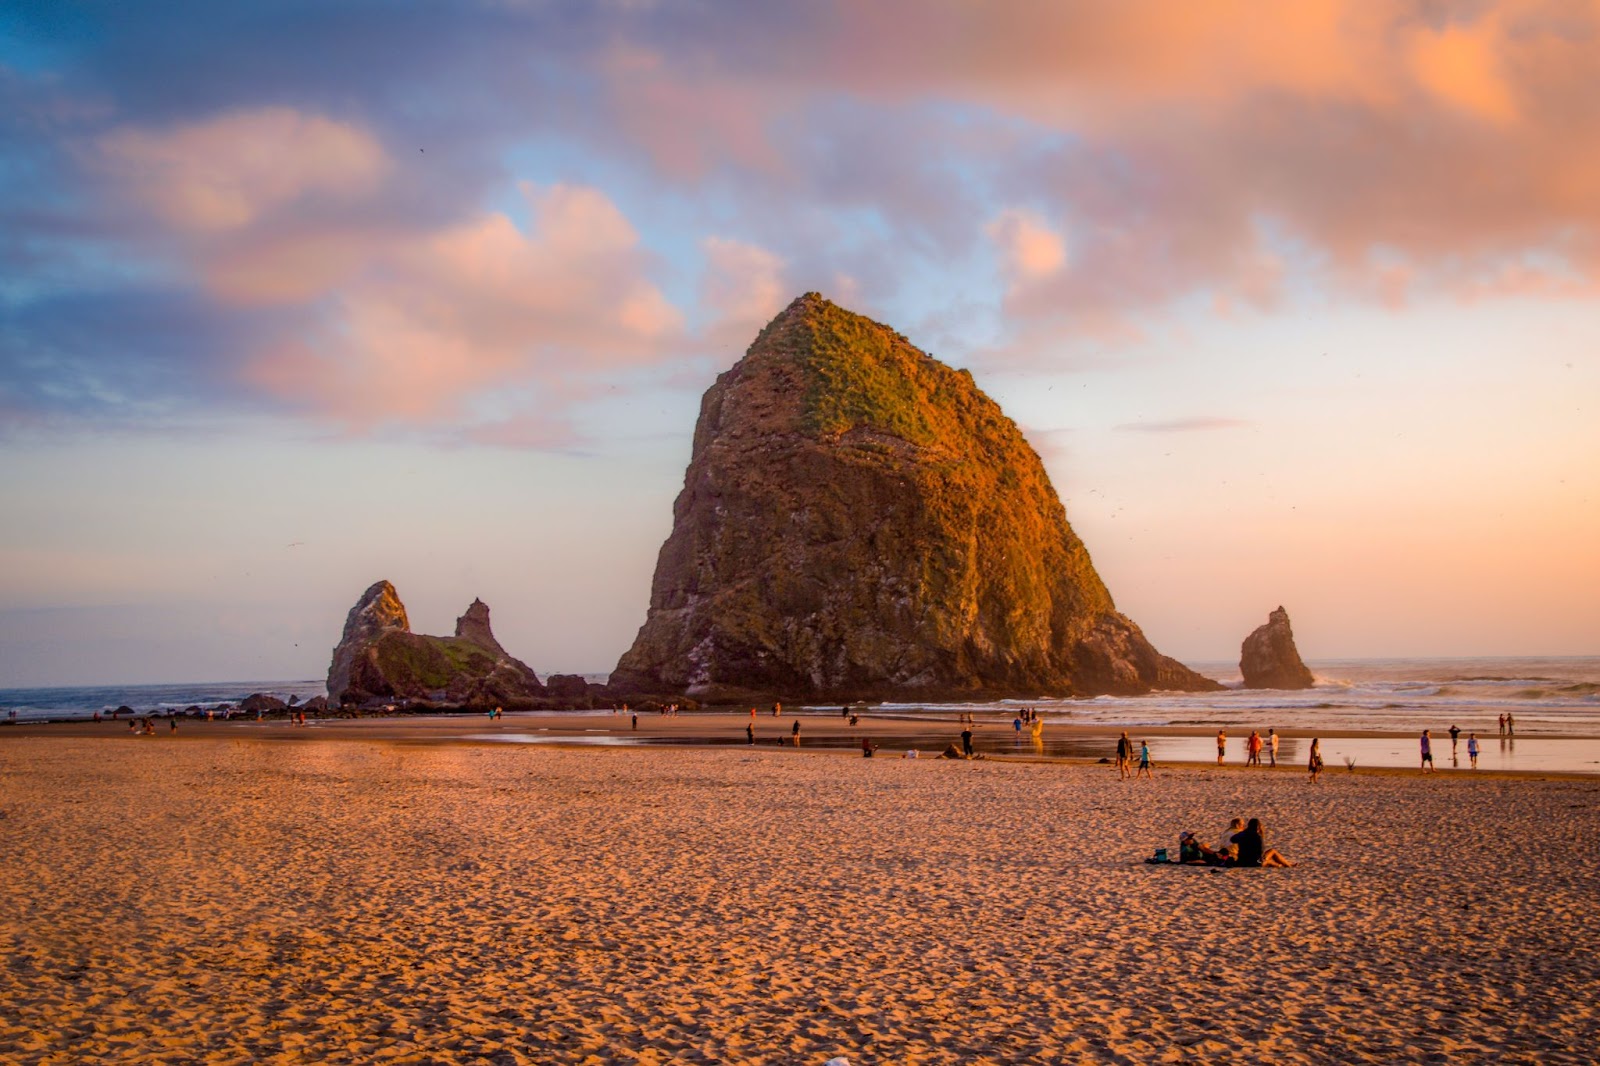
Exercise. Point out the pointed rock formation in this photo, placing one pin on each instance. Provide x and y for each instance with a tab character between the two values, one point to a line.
1269	659
380	658
859	520
474	626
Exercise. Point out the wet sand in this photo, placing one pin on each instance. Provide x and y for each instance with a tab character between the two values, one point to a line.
368	894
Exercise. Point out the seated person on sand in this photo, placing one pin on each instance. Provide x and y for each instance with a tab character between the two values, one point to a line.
1252	848
1225	850
1196	853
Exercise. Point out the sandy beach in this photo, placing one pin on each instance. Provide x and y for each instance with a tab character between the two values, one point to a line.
369	893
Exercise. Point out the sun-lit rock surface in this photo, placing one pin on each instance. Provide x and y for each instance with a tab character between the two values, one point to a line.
1269	659
860	520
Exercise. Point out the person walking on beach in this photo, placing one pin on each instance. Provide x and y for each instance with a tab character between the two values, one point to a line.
966	742
1124	755
1472	750
1272	746
1427	752
1502	725
1252	749
1222	746
750	732
795	732
1314	764
1144	760
1511	725
635	721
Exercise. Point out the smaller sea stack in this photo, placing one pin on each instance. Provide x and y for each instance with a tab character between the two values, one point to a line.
379	658
1269	659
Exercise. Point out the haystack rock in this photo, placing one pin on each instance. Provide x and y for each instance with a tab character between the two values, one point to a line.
1269	659
380	658
858	520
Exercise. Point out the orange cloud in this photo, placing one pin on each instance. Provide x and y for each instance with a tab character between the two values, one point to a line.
1392	148
1460	65
1030	247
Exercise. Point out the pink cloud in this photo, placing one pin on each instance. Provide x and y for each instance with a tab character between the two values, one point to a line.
743	287
1387	148
432	322
227	172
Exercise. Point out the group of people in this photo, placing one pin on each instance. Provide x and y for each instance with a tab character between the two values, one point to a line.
1242	844
1125	756
1255	744
1425	744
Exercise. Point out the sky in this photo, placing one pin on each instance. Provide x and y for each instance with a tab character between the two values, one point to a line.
1299	304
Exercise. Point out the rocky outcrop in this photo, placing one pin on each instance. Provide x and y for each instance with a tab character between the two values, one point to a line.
567	687
379	658
859	520
1269	659
474	626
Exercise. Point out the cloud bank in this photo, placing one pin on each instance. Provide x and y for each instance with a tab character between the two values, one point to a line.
453	221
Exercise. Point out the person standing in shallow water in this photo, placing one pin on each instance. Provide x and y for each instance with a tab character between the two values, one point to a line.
1472	750
1222	746
1272	746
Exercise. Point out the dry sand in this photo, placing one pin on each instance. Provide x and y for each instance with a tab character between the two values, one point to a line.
343	899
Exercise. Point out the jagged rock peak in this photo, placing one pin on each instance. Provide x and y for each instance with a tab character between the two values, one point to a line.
379	658
859	520
474	626
1268	657
378	608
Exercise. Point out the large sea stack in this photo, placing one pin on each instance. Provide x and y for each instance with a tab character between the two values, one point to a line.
858	520
379	658
1269	659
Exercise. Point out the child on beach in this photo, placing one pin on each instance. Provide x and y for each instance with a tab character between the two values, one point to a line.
1144	760
1314	764
1472	750
1427	752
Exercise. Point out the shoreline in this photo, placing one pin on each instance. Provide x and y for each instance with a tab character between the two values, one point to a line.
995	738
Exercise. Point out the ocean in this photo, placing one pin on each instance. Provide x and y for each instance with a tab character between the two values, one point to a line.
1555	702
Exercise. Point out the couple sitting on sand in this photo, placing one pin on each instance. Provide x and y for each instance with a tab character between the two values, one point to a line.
1242	845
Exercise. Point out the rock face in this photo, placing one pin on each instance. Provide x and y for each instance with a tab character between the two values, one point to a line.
380	658
858	520
1269	659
